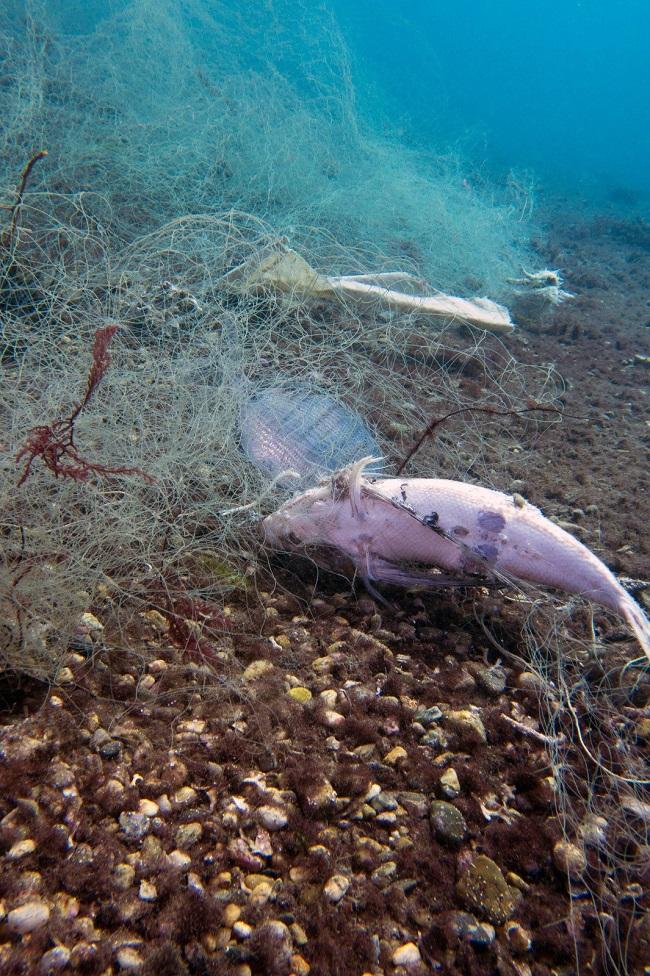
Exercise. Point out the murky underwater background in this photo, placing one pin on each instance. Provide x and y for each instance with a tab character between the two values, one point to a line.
562	87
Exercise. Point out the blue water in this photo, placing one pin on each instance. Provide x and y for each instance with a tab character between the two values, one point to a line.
561	87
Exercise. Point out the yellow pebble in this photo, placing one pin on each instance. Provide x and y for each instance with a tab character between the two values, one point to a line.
299	965
300	694
231	914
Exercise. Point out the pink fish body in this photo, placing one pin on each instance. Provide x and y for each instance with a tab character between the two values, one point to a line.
385	525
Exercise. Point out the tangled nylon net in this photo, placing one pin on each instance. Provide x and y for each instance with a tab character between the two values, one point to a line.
182	144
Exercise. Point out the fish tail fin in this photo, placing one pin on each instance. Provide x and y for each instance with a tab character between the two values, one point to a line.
638	623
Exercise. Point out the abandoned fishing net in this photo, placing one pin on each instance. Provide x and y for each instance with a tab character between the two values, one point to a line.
187	141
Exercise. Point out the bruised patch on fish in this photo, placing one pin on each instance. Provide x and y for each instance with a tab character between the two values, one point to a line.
488	551
460	531
492	522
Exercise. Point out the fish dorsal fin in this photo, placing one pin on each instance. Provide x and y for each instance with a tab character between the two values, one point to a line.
348	482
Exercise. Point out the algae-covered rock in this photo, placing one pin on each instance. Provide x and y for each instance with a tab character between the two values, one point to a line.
484	890
448	822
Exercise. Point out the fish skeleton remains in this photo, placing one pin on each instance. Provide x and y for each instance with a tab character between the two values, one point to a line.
383	526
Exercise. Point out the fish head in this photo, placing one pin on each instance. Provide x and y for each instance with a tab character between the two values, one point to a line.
305	521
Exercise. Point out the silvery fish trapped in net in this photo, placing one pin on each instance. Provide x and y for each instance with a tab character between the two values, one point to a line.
310	433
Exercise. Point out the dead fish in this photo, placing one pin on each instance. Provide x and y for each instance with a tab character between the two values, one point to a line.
385	526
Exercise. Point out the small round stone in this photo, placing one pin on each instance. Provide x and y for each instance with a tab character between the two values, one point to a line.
148	808
336	888
21	849
332	719
569	858
272	817
188	834
28	917
55	959
407	955
518	937
395	756
449	783
448	822
148	891
257	669
231	914
179	860
300	694
134	825
128	958
242	930
124	876
299	965
484	890
493	680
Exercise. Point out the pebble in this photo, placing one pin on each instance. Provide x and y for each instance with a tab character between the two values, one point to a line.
569	859
128	958
414	803
65	905
55	959
188	834
429	715
148	891
148	808
99	738
436	738
386	819
395	756
21	749
193	726
300	694
90	621
450	784
484	889
179	860
448	822
298	934
158	666
164	803
467	724
123	876
184	797
518	937
21	849
383	801
329	697
257	669
231	914
64	676
272	817
277	934
365	751
530	681
299	965
134	826
336	888
468	927
242	930
319	796
492	680
593	830
28	917
331	719
407	955
383	875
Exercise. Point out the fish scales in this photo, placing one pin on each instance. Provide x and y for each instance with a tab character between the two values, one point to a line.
384	525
